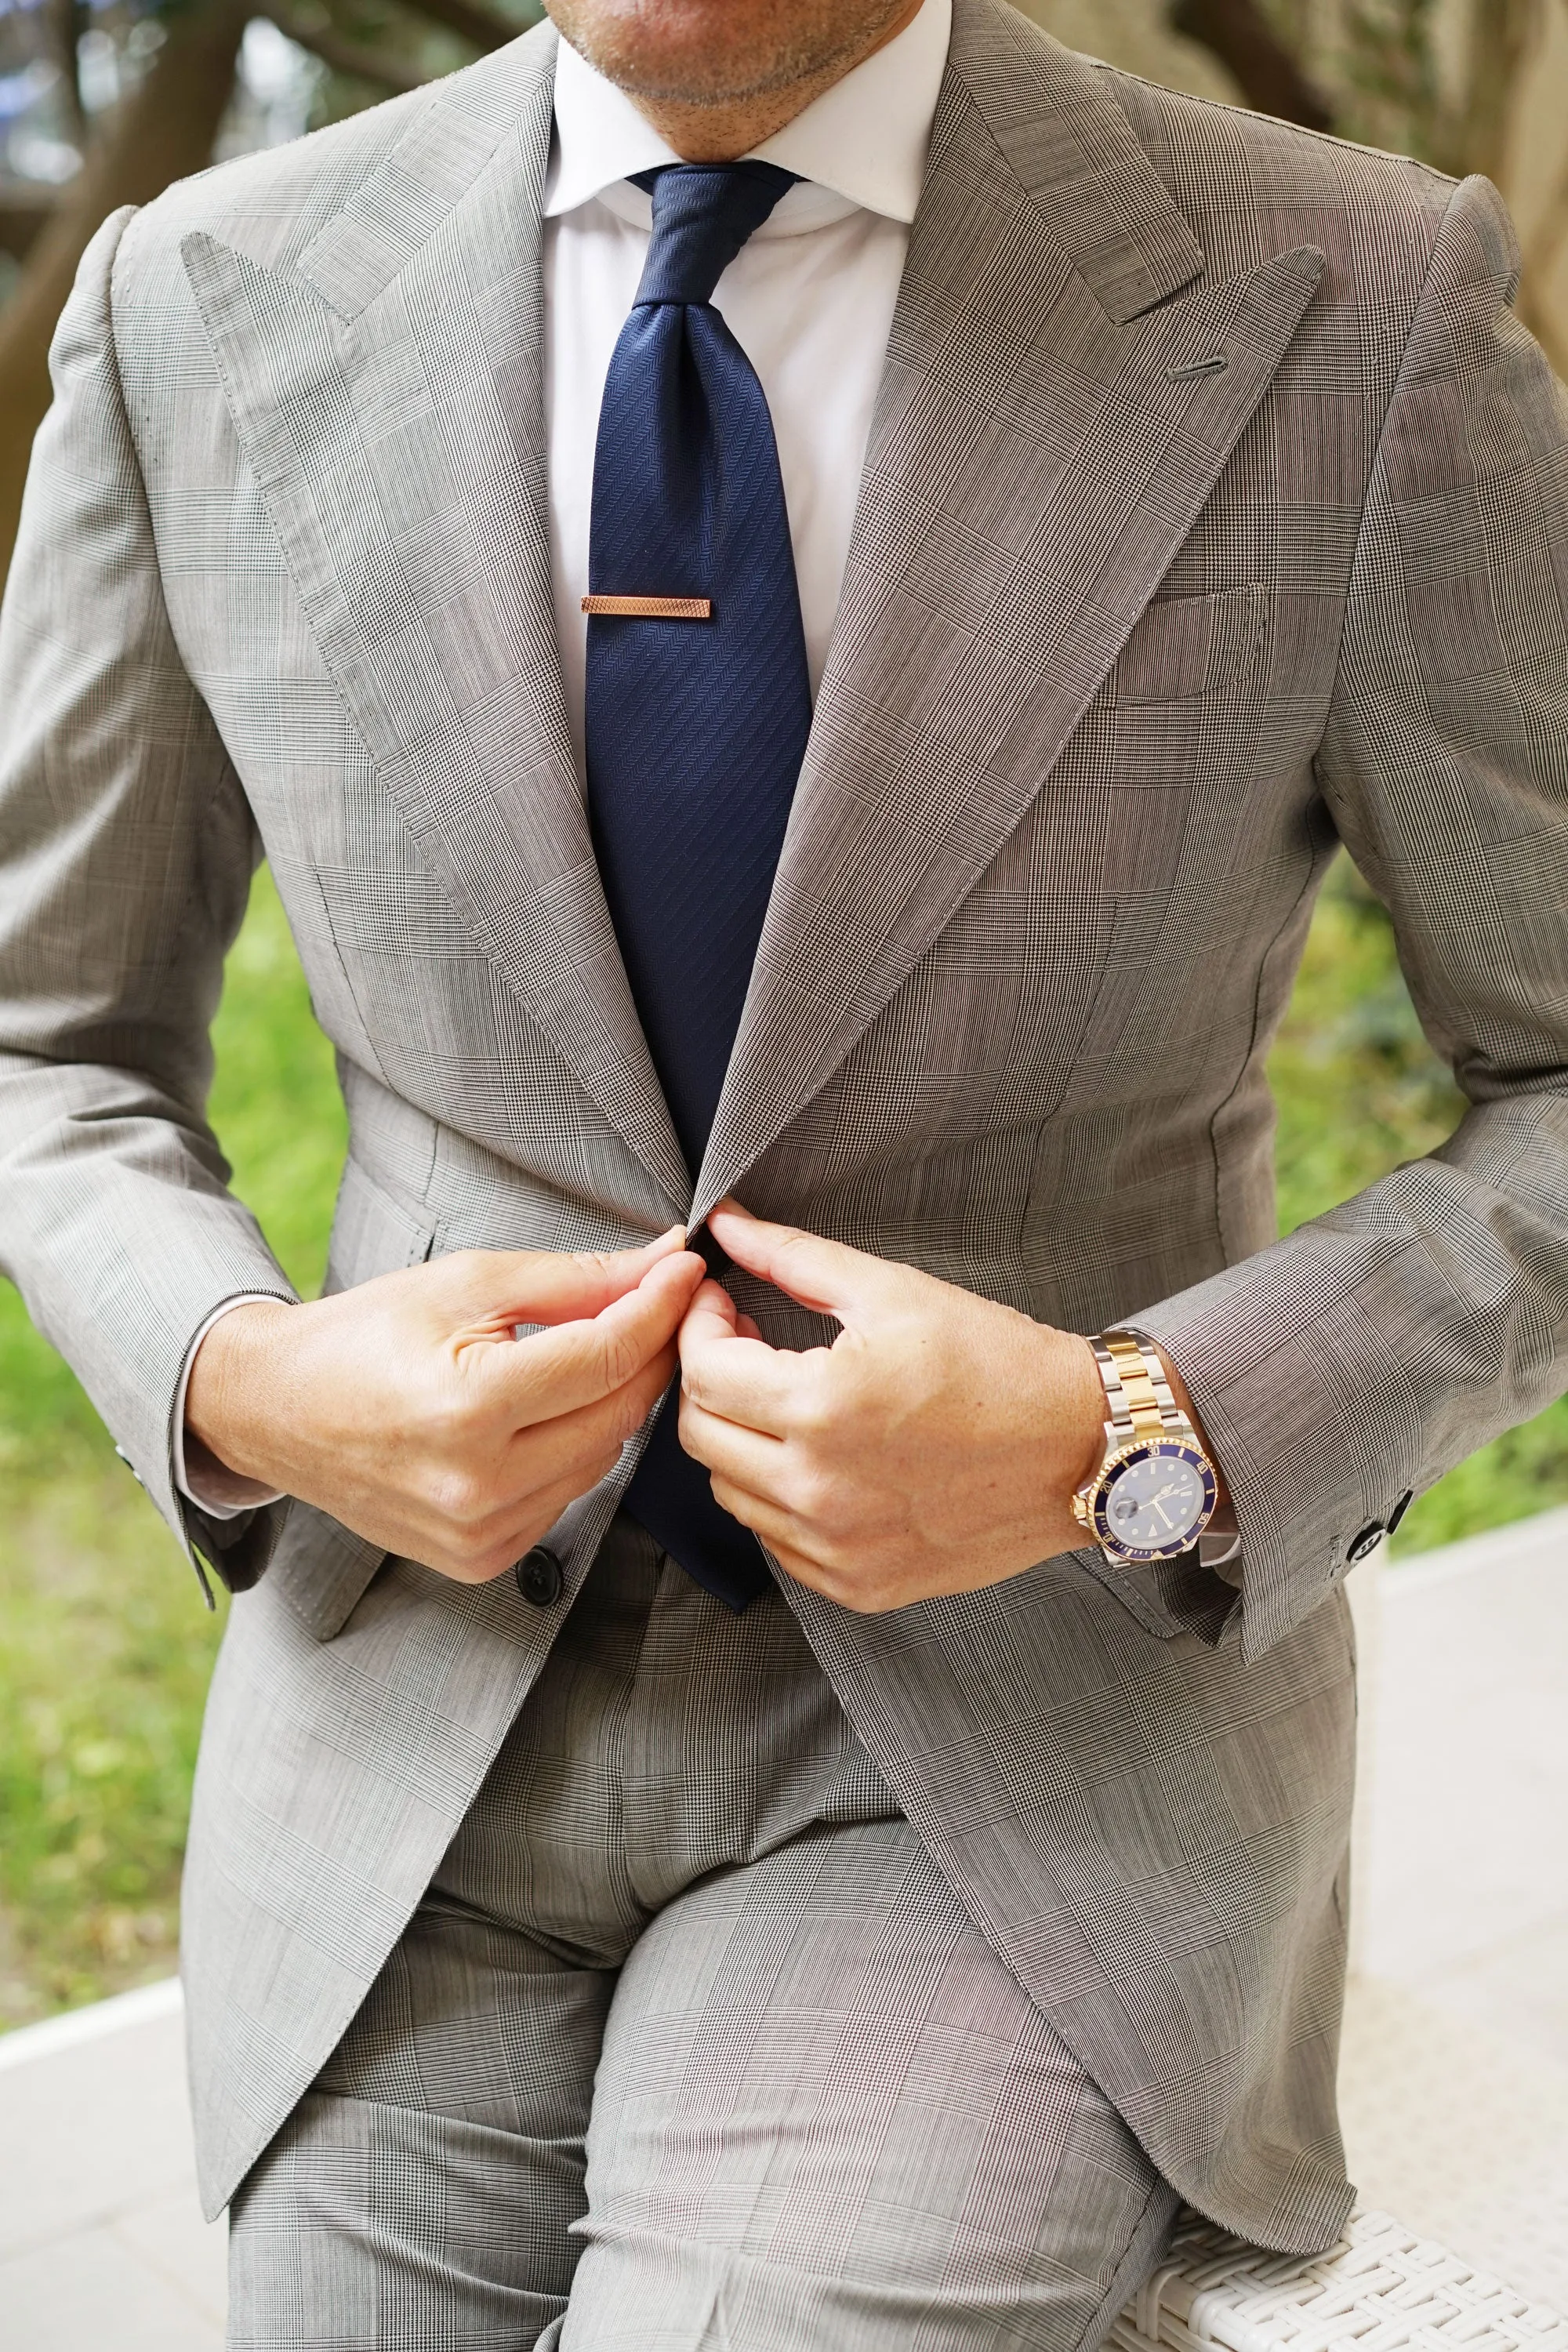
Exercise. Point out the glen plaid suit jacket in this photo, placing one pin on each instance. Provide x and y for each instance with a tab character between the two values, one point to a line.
1215	509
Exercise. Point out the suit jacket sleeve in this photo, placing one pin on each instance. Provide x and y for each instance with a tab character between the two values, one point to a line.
1385	1341
126	853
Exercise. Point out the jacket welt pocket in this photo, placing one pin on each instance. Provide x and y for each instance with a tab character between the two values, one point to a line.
373	1232
1181	647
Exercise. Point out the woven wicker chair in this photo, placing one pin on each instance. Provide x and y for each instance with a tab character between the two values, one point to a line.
1382	2289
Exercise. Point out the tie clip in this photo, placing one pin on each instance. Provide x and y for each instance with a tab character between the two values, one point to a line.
650	608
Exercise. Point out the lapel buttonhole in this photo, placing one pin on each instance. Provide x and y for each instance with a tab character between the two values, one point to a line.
1214	365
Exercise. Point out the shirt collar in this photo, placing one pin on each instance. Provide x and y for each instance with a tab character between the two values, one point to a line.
865	139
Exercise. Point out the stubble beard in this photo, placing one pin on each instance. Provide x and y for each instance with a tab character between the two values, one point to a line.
796	55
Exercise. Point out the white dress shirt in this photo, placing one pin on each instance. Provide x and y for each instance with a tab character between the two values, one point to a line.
809	299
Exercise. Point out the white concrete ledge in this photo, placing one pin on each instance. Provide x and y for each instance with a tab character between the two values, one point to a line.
28	2043
103	2243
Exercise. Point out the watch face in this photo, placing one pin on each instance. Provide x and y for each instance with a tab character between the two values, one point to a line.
1156	1499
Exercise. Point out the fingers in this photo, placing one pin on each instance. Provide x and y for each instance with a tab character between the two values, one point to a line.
479	1522
622	1412
559	1371
478	1556
746	1324
782	1534
762	1483
497	1290
745	1457
712	1317
597	1278
827	1276
741	1378
584	1445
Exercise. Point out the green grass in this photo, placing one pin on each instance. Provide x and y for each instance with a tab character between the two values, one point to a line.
1358	1092
105	1648
103	1668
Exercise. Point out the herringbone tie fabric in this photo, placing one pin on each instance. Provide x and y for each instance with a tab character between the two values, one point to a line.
695	728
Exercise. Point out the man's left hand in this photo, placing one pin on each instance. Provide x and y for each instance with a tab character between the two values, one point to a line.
933	1448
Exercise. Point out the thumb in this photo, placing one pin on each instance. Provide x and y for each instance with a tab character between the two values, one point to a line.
827	1276
492	1291
711	1317
575	1364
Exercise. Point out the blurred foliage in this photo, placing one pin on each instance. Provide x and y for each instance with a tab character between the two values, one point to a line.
1358	1088
1438	78
1391	90
105	1651
105	1646
1358	1092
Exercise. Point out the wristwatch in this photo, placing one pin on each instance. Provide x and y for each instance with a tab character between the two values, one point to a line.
1155	1489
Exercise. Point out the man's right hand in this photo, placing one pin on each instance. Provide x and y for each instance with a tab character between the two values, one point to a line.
407	1409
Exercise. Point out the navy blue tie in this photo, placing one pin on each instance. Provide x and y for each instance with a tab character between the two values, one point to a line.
695	726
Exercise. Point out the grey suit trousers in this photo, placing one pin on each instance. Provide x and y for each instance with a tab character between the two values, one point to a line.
689	2045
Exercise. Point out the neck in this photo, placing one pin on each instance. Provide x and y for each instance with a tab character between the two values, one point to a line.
718	131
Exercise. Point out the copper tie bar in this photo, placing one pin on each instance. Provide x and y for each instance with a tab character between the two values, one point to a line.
650	608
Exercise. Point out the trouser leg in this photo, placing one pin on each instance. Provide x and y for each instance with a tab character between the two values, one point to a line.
828	2120
825	2116
419	2197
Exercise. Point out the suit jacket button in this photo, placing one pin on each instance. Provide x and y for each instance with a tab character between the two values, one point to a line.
1368	1540
1400	1508
537	1575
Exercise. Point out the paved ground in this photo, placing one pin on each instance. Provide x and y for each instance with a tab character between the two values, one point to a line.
1456	2075
102	2245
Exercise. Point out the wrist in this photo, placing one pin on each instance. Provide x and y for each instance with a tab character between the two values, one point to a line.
1084	1418
1067	1411
232	1373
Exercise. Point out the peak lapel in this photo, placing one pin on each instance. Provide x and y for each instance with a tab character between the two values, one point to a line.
1035	461
386	389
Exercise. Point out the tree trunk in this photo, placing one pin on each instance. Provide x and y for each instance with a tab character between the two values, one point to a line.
163	131
1503	33
473	21
1241	37
356	59
68	21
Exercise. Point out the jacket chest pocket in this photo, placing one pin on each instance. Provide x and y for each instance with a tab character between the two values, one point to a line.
1180	685
1166	739
1181	646
1013	1009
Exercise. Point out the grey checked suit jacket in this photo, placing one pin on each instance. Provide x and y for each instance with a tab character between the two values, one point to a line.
1216	509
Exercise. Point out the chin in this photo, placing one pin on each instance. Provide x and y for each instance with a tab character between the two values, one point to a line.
699	52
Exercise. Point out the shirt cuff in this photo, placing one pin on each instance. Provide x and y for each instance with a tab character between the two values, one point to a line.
214	1488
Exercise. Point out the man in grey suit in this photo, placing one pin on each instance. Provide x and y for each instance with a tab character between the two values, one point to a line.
583	1949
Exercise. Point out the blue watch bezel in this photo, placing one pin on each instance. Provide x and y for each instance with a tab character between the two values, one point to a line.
1144	1449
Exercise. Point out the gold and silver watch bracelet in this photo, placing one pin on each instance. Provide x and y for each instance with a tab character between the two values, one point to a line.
1142	1404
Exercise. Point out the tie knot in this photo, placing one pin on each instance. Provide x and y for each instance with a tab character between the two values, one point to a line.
703	215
